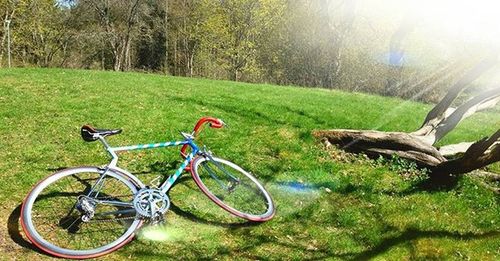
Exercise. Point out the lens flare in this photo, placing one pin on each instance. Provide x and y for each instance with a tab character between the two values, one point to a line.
295	187
157	233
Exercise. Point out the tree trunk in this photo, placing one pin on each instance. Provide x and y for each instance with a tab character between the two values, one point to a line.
103	61
118	58
128	60
175	56
166	63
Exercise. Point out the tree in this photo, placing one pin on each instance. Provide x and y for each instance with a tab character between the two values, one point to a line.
185	18
396	55
240	16
118	22
8	9
39	32
419	146
307	48
165	25
151	42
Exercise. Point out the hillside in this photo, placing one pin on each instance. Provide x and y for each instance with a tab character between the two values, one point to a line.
343	209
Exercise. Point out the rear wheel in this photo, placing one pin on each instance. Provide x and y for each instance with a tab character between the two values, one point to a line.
80	213
232	188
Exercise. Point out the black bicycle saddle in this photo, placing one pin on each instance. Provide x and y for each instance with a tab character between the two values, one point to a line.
90	133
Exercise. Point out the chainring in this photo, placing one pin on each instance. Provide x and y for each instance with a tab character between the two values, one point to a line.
151	203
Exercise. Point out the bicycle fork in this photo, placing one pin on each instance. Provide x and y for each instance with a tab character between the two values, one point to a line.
232	184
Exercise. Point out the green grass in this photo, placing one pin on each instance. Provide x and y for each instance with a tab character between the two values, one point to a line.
344	210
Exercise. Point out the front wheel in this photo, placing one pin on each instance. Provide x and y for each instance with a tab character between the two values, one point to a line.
232	188
80	213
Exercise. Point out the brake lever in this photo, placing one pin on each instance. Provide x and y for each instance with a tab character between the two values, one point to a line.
187	136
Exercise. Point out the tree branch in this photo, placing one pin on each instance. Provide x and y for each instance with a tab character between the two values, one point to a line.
438	111
479	154
385	143
464	111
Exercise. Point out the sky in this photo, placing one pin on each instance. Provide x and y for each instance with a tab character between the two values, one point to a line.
467	20
443	29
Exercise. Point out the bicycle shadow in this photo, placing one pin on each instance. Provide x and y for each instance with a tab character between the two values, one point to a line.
195	218
168	168
14	231
14	228
13	221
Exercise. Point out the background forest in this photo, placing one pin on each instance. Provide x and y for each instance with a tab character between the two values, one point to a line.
394	49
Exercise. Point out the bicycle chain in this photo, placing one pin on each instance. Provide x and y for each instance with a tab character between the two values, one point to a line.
155	220
110	220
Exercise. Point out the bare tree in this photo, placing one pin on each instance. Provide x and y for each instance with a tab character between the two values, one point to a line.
340	29
10	10
118	20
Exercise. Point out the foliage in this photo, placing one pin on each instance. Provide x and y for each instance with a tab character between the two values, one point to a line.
307	43
40	36
408	169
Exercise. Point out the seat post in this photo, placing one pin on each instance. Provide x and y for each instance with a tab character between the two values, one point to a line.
109	150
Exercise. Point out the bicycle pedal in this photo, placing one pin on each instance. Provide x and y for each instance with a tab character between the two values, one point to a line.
159	219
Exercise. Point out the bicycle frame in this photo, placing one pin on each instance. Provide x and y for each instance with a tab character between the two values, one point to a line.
165	186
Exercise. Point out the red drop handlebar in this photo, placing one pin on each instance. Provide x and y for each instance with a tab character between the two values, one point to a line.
212	122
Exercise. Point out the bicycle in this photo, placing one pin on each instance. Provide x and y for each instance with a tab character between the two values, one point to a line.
86	212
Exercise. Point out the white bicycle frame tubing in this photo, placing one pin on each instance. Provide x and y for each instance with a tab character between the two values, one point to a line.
165	187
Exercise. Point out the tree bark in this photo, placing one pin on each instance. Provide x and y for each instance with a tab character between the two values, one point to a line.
407	146
479	154
376	143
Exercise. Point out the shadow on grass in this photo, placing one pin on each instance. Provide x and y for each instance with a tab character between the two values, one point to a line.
433	184
14	228
195	218
245	252
249	249
413	234
253	244
56	169
238	110
160	167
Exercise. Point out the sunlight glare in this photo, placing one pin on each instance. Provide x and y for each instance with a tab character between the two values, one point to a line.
472	21
156	233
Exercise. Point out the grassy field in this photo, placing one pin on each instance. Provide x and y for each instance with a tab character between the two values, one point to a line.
326	208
